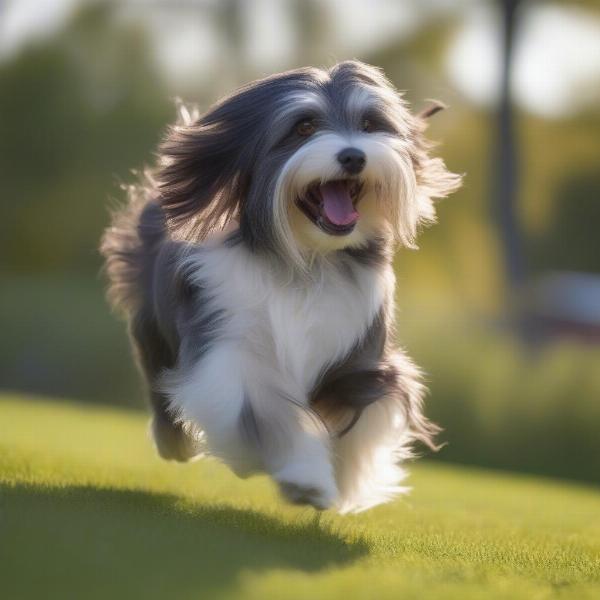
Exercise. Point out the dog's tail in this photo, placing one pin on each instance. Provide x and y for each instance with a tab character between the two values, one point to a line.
129	246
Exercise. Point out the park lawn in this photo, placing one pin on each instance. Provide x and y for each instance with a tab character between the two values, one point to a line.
88	511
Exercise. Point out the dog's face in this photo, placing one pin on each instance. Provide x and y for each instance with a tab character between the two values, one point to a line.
309	161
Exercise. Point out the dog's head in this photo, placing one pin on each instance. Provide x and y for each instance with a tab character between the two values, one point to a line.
309	161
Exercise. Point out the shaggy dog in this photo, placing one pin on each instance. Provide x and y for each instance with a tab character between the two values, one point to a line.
254	266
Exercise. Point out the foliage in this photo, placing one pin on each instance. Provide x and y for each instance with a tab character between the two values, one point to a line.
502	405
79	111
569	242
62	339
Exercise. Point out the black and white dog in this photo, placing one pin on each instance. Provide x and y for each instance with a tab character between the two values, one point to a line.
254	267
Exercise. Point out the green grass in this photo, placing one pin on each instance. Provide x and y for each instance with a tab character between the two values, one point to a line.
88	511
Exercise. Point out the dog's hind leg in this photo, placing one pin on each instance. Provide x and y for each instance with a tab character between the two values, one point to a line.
135	248
173	441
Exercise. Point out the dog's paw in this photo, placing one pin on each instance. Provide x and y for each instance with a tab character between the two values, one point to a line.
299	494
173	442
318	492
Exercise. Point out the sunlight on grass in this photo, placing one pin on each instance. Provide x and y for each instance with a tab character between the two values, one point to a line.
88	510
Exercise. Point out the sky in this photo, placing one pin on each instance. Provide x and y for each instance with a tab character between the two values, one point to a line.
557	58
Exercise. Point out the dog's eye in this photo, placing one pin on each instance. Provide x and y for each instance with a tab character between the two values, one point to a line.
368	126
306	128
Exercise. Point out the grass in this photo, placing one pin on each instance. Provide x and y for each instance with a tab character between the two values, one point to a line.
88	511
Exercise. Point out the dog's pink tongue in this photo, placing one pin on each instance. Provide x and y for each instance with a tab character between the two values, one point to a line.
337	204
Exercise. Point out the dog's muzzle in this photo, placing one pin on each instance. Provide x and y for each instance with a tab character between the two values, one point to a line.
332	205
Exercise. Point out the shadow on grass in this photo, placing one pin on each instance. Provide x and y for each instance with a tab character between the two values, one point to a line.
82	542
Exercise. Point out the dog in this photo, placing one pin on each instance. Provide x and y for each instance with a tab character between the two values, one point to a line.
254	266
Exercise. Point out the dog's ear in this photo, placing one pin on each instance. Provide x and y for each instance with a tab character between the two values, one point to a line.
433	107
205	167
434	180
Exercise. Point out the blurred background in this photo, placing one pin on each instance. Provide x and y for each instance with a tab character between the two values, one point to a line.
501	305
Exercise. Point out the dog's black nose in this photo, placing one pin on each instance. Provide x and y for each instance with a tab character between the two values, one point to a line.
352	160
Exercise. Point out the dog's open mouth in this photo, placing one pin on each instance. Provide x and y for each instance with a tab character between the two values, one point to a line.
332	205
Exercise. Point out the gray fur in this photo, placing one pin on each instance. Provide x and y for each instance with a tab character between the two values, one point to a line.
168	320
376	253
365	376
249	426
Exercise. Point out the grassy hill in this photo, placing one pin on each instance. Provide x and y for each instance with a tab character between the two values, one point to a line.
88	511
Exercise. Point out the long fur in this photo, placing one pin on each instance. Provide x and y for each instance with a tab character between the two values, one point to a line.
264	340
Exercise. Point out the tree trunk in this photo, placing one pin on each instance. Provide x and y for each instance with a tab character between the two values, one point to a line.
505	192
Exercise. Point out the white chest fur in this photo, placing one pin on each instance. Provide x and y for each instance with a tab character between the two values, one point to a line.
297	327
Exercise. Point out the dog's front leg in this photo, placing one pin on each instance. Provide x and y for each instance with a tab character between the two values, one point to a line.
387	399
294	445
291	440
254	420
